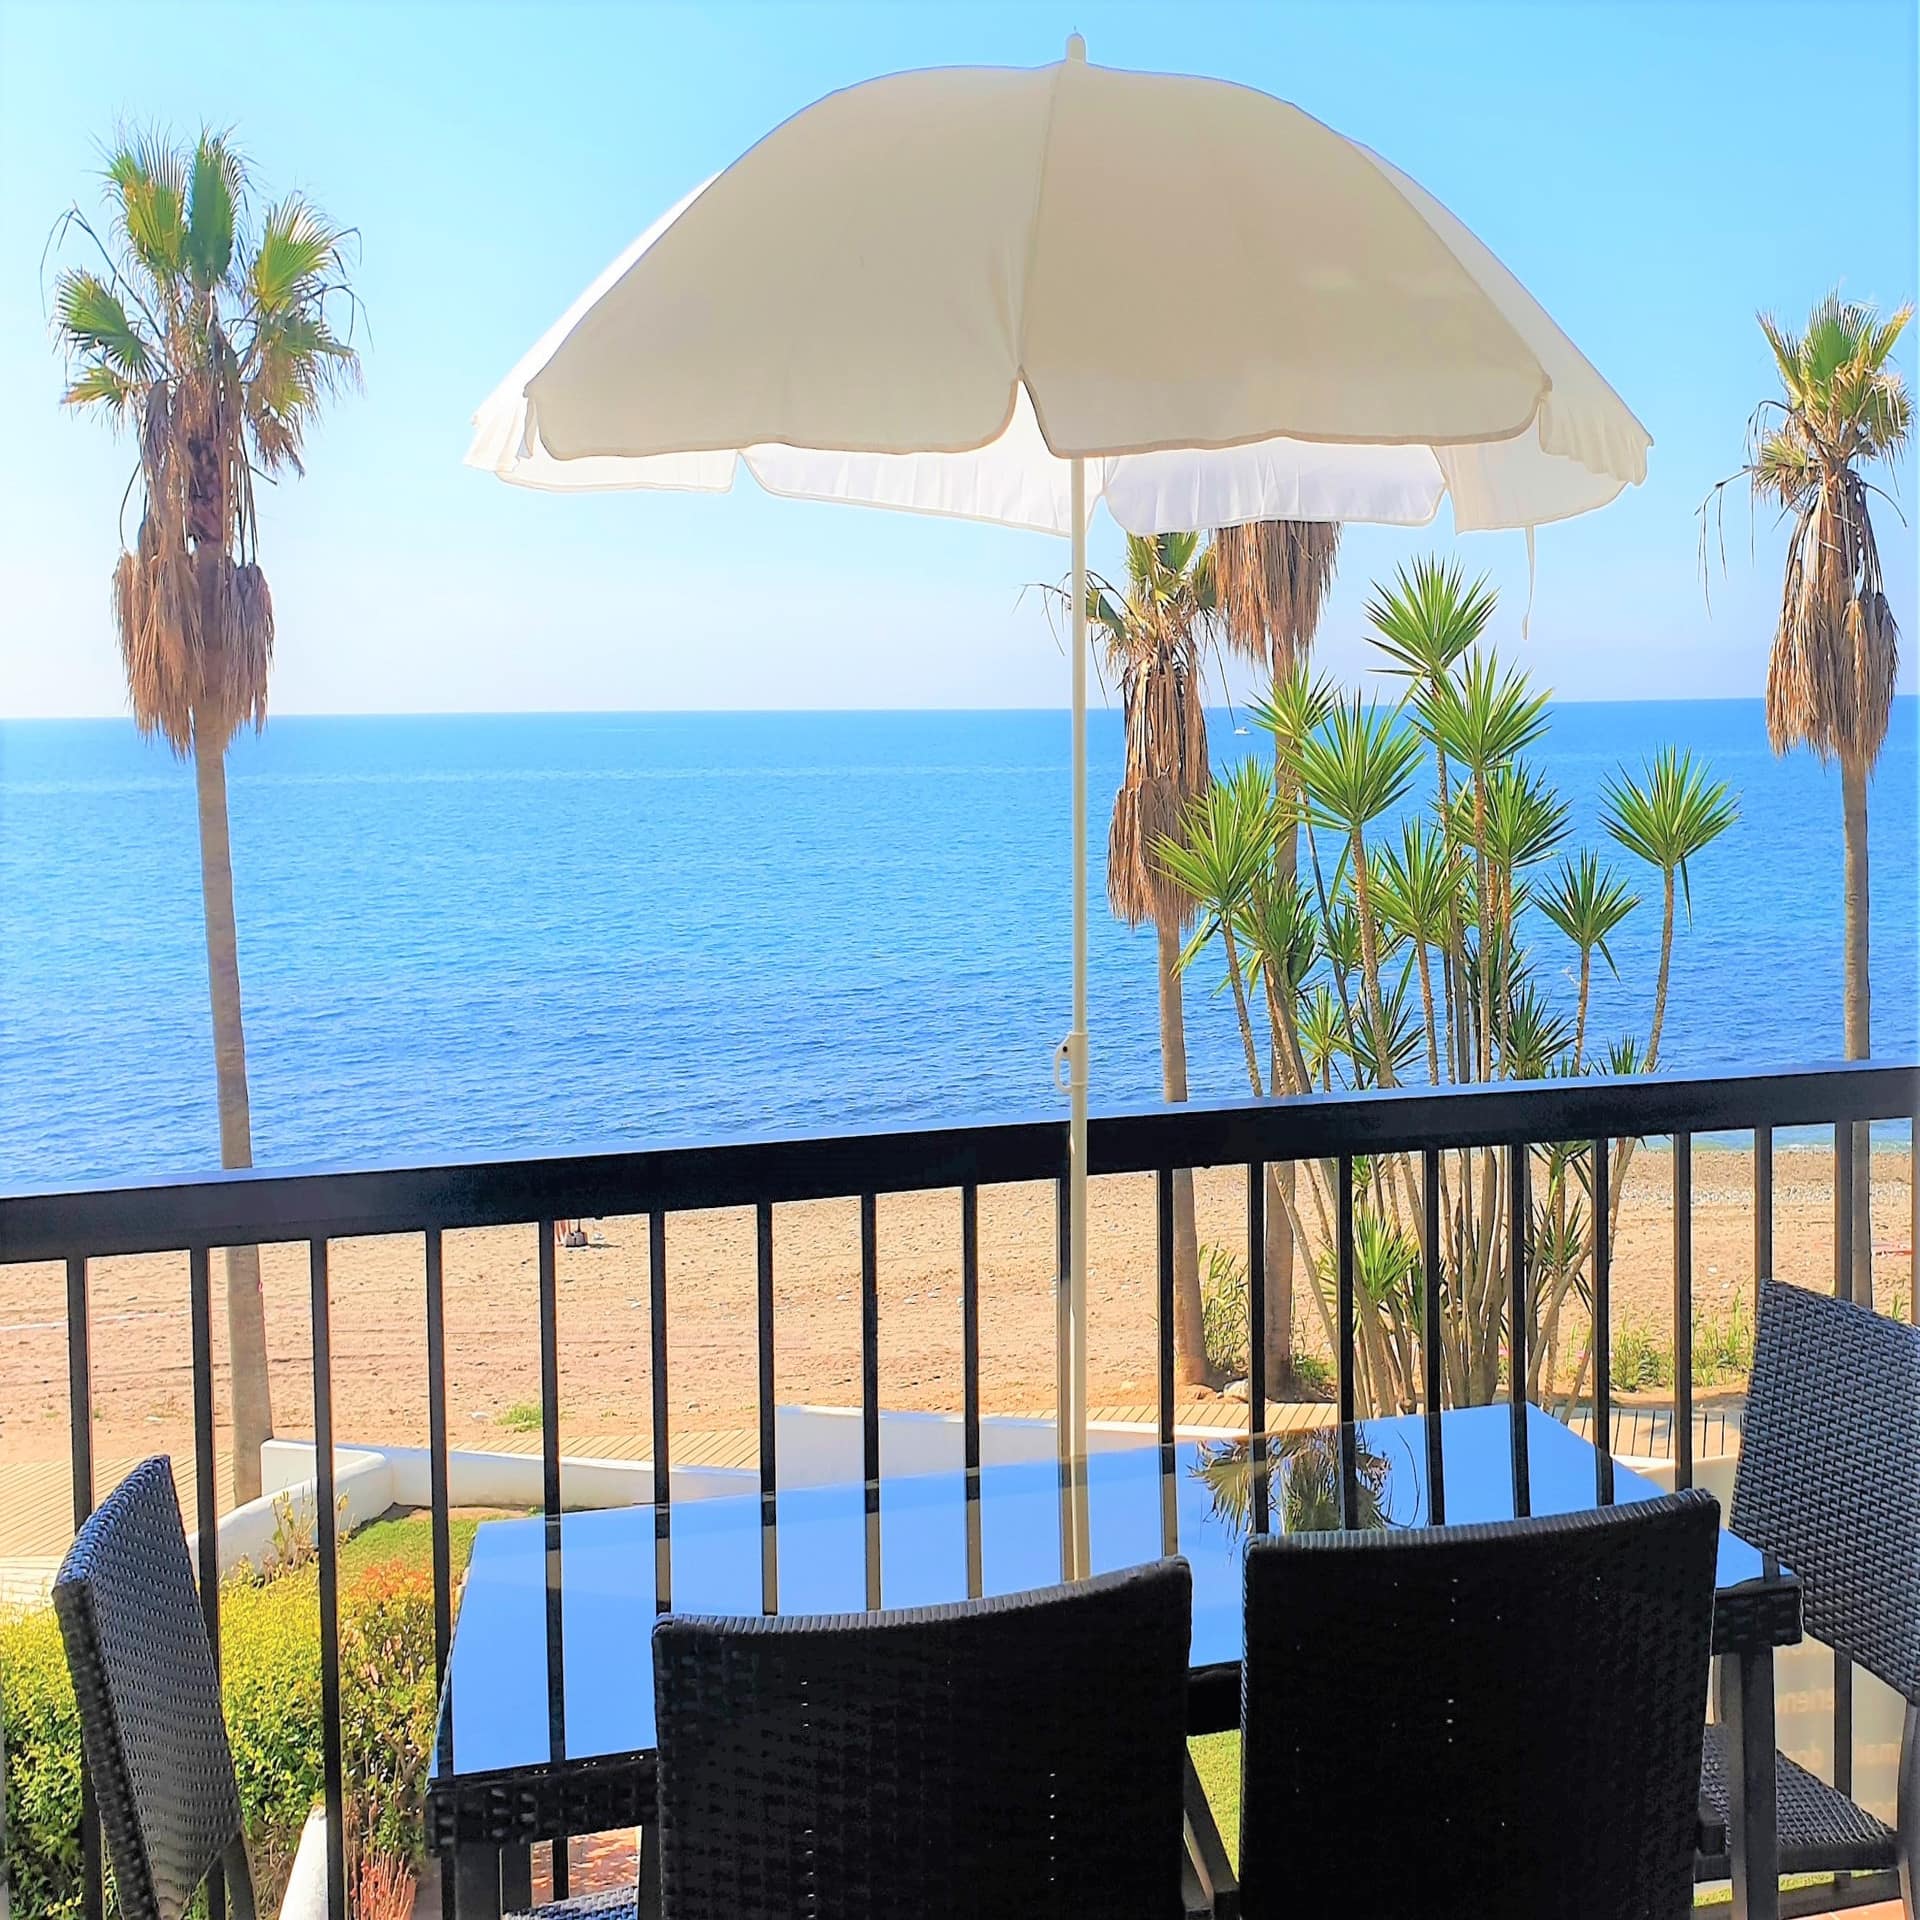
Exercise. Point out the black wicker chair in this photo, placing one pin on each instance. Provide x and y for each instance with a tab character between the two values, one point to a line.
150	1719
1007	1756
1489	1720
1829	1479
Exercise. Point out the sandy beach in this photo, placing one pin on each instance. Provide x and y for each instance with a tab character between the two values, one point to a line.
142	1380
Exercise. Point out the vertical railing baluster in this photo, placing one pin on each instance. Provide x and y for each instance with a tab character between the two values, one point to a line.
1431	1257
439	1504
1842	1210
327	1528
549	1380
769	1468
80	1459
205	1480
662	1458
437	1488
870	1385
1602	1324
206	1497
550	1507
970	1377
1843	1243
1343	1266
1762	1212
1257	1339
1163	1359
1433	1391
1683	1309
1519	1315
1062	1371
1913	1224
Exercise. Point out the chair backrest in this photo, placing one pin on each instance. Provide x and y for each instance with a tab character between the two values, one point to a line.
150	1718
1500	1720
1011	1755
1829	1475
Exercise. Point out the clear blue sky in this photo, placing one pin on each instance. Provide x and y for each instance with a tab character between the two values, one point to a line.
1634	164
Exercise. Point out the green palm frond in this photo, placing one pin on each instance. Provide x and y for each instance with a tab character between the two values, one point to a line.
1669	815
299	251
1421	884
1588	903
92	323
1397	1043
213	206
1429	618
1483	717
149	180
1298	707
1278	925
1225	842
1358	764
1326	1040
1526	818
1536	1035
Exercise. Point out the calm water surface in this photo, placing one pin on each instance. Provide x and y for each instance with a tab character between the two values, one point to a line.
469	934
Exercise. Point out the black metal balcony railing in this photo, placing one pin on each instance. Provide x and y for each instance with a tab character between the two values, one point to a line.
238	1209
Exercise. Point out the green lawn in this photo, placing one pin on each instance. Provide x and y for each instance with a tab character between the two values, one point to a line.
405	1540
1216	1759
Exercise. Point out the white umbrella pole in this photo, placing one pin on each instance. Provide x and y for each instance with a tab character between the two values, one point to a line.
1073	1357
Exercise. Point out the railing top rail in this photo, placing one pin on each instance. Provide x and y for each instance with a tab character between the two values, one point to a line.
239	1208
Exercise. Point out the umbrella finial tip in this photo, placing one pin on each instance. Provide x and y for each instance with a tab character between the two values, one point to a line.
1076	48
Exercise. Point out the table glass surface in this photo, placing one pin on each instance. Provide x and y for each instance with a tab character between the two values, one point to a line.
589	1608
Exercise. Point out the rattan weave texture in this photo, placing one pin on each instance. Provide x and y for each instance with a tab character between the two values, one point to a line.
149	1699
1821	1830
1830	1472
1500	1720
1021	1754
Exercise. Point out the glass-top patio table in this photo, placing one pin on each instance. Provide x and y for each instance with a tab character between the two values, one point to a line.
546	1723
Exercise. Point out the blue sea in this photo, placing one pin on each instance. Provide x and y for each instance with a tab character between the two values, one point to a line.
504	933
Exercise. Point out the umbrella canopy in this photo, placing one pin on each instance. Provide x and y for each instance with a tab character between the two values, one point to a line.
919	293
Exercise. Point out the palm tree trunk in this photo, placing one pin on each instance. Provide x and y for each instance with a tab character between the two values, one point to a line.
1859	1013
246	1311
1189	1341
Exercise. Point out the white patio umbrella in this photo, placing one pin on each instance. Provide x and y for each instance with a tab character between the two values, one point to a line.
921	293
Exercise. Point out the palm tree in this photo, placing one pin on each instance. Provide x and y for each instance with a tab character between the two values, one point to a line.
1836	648
1273	580
1155	633
214	351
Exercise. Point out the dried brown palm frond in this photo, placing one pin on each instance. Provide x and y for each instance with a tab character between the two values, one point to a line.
1164	768
1837	648
1273	579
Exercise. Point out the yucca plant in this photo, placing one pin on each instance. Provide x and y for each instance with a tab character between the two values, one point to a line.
1408	944
1588	904
210	342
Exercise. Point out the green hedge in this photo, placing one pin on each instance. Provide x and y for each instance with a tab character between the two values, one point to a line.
270	1646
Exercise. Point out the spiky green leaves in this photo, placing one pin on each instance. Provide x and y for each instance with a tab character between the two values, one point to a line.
1589	904
1429	618
1669	815
1358	764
